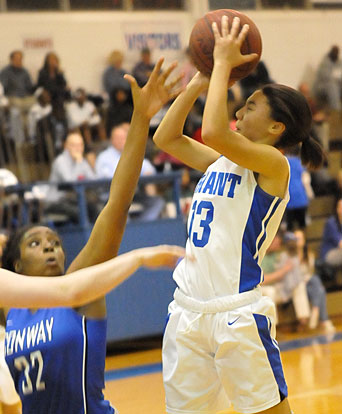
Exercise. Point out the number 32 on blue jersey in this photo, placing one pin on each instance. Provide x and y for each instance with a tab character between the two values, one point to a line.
200	239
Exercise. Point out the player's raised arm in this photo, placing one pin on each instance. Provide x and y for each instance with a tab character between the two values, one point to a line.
169	135
215	129
82	286
108	230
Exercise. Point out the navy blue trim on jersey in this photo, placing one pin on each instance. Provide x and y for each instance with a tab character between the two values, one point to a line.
262	210
273	353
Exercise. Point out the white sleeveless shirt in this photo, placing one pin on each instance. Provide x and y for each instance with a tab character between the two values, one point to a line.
231	224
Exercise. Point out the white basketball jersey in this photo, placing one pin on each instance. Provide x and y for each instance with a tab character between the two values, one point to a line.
231	224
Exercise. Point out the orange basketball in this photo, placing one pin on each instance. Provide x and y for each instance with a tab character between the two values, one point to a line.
202	41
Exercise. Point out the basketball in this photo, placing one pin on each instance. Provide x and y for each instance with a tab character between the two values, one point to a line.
202	41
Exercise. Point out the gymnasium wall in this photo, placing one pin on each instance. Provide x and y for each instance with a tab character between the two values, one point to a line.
294	41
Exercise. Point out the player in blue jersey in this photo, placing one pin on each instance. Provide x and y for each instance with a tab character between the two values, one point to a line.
57	356
219	344
81	287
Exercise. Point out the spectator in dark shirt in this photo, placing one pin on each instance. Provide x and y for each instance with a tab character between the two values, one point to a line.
118	91
144	67
120	109
113	76
18	88
52	79
15	79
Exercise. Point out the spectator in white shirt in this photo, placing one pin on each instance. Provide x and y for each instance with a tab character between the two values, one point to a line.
41	109
83	115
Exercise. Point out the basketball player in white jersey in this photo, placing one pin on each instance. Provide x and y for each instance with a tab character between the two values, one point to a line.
219	344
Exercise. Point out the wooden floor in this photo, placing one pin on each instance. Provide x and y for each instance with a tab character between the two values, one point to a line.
312	364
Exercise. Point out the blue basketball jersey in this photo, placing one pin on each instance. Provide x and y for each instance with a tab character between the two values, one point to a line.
231	224
56	358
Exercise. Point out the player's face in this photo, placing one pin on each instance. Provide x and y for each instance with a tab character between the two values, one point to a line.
74	144
17	60
253	119
119	137
41	253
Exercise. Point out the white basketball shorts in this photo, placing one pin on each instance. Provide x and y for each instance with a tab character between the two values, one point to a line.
226	353
8	394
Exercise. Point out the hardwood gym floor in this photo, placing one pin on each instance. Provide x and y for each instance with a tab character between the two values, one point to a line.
312	364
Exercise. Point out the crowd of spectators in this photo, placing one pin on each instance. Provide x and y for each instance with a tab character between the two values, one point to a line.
41	119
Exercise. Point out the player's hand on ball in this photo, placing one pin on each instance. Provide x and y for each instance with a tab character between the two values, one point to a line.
228	43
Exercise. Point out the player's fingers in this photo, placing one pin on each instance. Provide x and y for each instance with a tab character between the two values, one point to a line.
176	92
172	84
215	30
172	254
235	27
243	33
250	57
156	69
178	254
224	26
166	74
131	81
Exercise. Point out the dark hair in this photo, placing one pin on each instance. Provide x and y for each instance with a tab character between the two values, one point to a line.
15	52
290	107
46	60
333	53
11	251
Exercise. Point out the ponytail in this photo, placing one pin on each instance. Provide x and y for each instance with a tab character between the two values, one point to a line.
289	106
311	153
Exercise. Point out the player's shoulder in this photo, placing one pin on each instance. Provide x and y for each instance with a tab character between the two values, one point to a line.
276	183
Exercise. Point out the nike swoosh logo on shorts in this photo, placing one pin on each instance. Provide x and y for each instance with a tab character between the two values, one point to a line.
231	323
